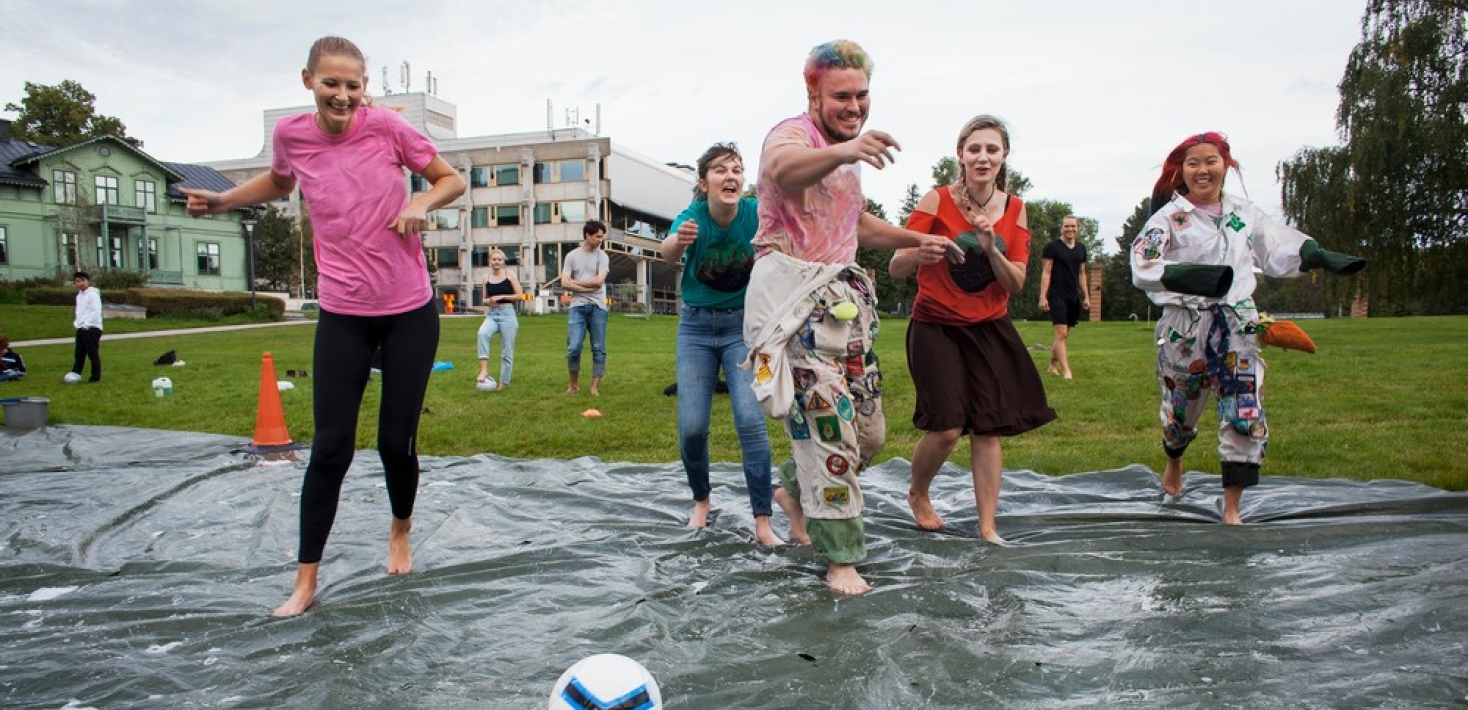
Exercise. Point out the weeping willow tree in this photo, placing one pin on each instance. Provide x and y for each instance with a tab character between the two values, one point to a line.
1397	191
1318	195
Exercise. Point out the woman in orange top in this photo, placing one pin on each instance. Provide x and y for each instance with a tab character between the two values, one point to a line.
971	370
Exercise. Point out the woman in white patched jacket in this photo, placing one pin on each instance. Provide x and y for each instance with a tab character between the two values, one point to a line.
1196	258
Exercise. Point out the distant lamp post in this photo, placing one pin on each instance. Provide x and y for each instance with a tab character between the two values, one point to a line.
249	224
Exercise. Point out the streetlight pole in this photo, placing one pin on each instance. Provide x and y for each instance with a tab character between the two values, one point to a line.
249	224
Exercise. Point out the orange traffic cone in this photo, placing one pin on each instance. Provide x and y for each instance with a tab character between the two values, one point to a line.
270	428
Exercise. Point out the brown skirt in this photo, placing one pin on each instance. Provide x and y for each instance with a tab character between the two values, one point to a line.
979	378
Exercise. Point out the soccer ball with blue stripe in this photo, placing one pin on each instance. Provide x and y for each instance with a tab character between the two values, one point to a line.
606	681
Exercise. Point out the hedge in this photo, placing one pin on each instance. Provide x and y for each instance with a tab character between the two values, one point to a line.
161	302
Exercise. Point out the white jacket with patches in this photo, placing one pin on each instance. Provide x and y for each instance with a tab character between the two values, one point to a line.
1245	239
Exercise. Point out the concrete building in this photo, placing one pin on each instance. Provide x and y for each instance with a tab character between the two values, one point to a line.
529	195
103	204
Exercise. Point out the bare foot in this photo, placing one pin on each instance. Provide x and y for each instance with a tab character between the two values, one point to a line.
594	392
764	534
844	580
1052	369
400	547
792	510
1172	478
989	534
700	516
1232	496
303	594
573	389
1066	375
596	386
923	513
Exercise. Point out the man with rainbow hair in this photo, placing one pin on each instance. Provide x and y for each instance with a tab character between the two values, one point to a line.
810	310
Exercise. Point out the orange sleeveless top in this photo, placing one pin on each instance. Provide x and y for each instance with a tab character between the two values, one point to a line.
966	293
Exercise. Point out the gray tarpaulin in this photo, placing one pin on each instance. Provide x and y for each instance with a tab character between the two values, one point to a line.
139	568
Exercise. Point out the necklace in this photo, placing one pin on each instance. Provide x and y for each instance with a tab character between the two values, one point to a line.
965	201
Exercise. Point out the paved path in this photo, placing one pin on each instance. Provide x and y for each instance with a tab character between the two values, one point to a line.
158	333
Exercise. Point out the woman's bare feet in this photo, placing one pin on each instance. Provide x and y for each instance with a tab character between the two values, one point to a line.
922	511
792	510
990	534
573	389
400	547
700	516
844	580
303	594
764	534
1172	478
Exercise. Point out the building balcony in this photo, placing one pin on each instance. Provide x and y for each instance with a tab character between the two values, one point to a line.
117	214
165	278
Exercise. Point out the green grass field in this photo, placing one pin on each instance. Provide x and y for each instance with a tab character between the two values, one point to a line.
1384	398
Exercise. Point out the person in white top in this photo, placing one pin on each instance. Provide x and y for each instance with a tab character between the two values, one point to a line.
1196	258
88	324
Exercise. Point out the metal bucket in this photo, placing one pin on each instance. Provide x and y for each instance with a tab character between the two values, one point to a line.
25	412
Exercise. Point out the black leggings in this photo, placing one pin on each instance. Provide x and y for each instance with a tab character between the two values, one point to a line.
343	362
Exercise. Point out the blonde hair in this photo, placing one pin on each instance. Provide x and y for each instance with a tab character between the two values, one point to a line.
334	46
979	123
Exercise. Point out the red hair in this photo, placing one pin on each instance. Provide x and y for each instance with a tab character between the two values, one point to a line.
1171	179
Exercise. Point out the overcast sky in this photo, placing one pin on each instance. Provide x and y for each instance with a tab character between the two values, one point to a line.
1095	92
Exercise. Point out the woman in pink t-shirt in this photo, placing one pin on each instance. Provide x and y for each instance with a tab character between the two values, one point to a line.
348	159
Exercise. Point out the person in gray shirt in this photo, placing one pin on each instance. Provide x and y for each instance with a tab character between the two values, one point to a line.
584	278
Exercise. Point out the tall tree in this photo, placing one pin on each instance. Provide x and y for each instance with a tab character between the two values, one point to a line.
1398	184
1119	299
277	251
890	292
62	115
910	201
1315	190
945	171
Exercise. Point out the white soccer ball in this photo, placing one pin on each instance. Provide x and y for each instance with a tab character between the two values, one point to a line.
71	378
486	385
606	680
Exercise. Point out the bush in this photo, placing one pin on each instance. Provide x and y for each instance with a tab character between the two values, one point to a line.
161	302
168	302
204	314
119	279
50	296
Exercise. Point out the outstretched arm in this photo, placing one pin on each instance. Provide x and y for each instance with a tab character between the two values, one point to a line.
265	187
794	167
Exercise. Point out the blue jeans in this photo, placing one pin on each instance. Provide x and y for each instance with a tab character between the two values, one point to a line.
580	319
500	319
710	340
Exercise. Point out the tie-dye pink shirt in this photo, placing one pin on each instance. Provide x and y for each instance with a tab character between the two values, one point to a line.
354	188
815	224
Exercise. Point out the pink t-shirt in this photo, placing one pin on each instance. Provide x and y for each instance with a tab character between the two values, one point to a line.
354	188
818	223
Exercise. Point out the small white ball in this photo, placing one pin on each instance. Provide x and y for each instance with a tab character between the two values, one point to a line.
486	385
606	680
71	378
